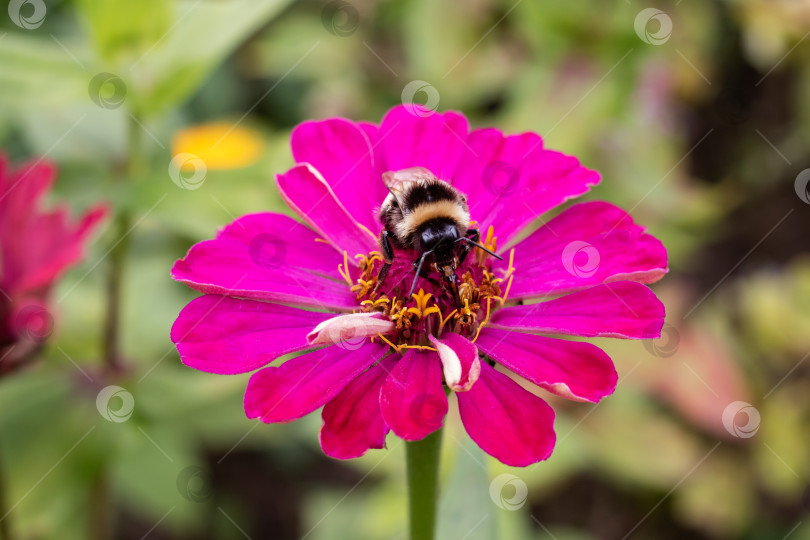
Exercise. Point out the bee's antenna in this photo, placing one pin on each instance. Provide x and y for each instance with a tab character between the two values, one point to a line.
418	271
476	244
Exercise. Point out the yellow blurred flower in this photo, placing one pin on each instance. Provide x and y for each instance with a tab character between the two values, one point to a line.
772	27
220	145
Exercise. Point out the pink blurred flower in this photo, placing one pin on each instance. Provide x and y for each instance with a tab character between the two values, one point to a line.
36	247
274	286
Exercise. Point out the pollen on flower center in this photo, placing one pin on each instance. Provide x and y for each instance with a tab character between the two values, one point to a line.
432	310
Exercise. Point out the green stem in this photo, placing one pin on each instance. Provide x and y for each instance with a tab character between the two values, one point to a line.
5	526
112	324
101	515
423	476
100	509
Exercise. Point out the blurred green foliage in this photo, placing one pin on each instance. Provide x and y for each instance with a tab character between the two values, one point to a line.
700	137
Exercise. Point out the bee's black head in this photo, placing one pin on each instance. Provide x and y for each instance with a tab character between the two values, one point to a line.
439	236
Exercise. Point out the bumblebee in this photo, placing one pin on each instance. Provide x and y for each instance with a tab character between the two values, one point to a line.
429	216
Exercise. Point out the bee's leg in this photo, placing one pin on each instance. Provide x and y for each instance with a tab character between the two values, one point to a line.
424	275
388	256
419	272
382	275
450	279
385	245
417	266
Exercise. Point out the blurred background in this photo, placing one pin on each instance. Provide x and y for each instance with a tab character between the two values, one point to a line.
697	115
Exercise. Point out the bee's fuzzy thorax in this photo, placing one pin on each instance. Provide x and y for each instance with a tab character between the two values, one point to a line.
446	209
416	198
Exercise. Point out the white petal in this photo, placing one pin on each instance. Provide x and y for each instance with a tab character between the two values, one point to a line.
348	329
450	364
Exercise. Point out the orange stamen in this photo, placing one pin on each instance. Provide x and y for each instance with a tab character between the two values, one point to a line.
484	322
423	347
343	269
444	321
506	293
382	337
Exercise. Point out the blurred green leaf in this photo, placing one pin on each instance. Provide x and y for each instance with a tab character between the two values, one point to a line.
146	468
712	499
196	41
50	451
126	28
37	73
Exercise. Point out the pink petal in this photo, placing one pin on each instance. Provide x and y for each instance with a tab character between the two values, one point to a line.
372	132
546	180
431	140
350	330
24	319
511	180
508	422
491	166
305	383
308	194
37	246
341	152
53	244
587	244
220	334
21	192
412	398
460	361
352	421
571	369
623	309
267	257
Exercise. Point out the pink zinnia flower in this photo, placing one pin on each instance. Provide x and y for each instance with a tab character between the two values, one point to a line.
36	247
379	360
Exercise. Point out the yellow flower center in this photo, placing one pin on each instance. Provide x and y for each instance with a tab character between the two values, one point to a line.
423	314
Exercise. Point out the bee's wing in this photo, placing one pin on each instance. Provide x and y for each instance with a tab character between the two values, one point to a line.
399	183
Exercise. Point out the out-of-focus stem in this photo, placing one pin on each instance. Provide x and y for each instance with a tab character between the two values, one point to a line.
112	353
423	479
5	525
100	509
101	522
118	252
